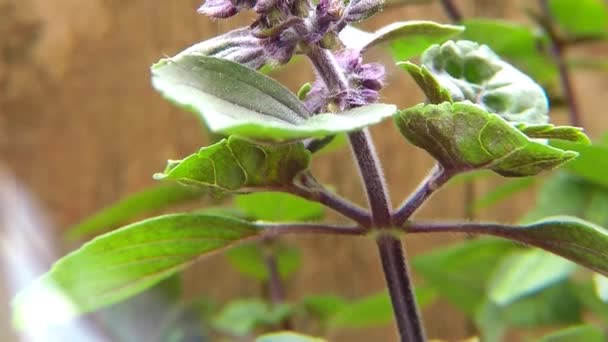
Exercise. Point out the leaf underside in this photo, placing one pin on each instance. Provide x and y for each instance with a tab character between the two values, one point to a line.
235	100
234	165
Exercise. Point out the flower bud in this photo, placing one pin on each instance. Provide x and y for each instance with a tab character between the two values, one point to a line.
237	46
359	10
224	8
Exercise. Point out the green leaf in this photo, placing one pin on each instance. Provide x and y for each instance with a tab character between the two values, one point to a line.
581	17
587	333
434	92
407	38
549	131
373	310
278	206
323	307
287	336
148	200
567	194
525	272
242	316
462	136
502	192
586	293
235	100
601	286
146	316
592	161
556	305
234	164
516	43
459	273
572	238
470	71
250	260
124	262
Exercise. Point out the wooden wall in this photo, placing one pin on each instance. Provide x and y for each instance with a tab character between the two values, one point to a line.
80	127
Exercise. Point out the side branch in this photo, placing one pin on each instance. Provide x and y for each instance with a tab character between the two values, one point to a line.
496	229
313	191
436	178
275	229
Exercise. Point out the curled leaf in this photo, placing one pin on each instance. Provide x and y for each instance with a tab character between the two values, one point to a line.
234	164
470	71
462	136
407	38
549	131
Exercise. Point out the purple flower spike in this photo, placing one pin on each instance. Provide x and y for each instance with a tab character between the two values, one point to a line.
371	76
281	47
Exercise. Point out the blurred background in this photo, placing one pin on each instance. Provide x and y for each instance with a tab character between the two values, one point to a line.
81	127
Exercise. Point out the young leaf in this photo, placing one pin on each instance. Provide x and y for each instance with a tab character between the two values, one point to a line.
587	333
456	272
462	136
473	72
572	238
148	200
234	99
525	272
549	131
407	38
126	261
434	92
242	316
278	206
249	260
516	43
288	336
234	164
581	17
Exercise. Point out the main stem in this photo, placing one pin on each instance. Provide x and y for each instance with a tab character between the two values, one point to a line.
391	251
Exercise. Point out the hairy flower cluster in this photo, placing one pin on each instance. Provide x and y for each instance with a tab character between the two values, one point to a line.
364	81
286	27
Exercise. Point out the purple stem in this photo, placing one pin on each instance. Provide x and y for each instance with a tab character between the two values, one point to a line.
316	192
436	178
451	10
558	52
391	253
276	229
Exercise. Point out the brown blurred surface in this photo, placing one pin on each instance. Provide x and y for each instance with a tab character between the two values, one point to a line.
81	127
